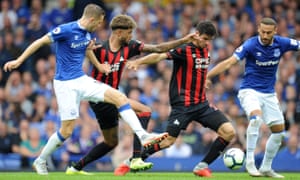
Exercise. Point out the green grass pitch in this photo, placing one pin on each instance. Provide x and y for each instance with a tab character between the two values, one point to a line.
136	176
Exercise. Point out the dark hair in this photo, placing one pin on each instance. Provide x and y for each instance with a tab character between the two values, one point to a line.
122	21
206	27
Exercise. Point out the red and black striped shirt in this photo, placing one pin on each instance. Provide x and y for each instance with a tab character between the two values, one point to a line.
117	60
187	86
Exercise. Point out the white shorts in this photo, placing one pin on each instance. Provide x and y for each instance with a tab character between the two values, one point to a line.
266	102
69	94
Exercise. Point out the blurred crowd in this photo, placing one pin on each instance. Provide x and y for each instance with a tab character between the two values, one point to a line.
28	108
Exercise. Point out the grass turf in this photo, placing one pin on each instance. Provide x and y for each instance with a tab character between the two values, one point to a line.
136	176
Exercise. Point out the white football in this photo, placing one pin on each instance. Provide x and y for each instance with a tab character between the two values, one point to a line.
234	158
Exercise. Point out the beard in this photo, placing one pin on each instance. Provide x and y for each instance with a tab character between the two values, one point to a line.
123	42
267	41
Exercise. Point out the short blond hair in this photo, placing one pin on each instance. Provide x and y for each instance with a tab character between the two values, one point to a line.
268	21
93	10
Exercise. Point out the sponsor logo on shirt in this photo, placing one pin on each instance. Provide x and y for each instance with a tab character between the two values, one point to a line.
80	44
268	63
201	63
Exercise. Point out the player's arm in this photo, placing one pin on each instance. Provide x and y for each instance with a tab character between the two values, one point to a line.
149	59
104	68
33	47
166	46
221	67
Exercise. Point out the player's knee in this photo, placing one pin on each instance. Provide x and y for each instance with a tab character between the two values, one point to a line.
67	128
112	143
255	121
230	133
278	137
66	133
227	131
147	109
277	128
121	99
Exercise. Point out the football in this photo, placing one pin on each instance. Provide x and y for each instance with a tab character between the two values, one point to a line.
234	158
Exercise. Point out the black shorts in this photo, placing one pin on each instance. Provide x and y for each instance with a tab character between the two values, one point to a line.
107	114
204	114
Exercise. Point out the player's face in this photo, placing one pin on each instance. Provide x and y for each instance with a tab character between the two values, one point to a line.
266	33
202	40
125	36
95	23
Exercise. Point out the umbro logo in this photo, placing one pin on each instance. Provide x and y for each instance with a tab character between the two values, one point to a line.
176	122
73	112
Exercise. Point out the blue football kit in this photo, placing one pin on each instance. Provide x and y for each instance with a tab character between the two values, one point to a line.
262	61
70	52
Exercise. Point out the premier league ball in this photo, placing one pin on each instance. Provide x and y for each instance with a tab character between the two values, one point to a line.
234	158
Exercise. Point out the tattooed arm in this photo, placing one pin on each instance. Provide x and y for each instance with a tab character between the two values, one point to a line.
166	46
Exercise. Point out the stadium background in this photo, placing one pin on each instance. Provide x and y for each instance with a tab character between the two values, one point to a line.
28	110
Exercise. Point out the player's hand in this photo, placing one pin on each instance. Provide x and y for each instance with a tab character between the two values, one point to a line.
190	37
208	83
11	65
132	65
92	45
105	68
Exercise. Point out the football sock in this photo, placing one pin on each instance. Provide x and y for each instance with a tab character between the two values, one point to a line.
272	147
136	147
144	119
252	136
53	143
98	151
131	119
215	150
151	150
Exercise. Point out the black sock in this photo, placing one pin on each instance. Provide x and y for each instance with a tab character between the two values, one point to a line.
98	151
144	119
215	150
136	147
151	150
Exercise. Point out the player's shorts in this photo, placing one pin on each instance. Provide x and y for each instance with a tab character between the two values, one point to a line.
106	114
203	113
266	102
69	94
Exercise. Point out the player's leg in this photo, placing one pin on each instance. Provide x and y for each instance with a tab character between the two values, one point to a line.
215	120
98	151
128	115
53	143
107	116
98	91
69	111
275	121
178	120
250	101
143	113
135	163
155	147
